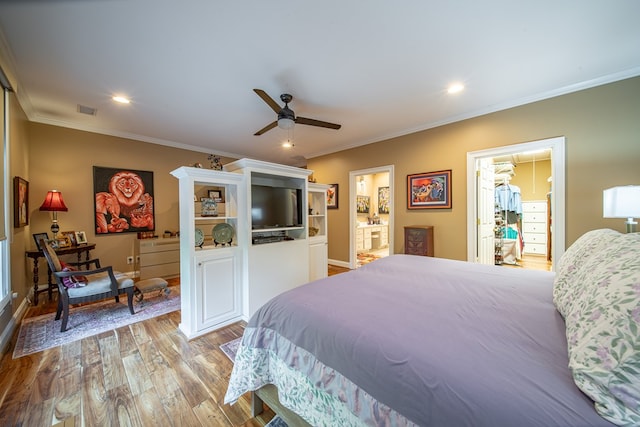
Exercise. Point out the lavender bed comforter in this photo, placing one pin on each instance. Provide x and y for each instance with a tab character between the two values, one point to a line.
410	340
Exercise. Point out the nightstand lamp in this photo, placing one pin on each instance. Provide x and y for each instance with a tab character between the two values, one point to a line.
622	202
54	203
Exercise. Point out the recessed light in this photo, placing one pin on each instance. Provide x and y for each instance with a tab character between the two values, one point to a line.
455	88
121	99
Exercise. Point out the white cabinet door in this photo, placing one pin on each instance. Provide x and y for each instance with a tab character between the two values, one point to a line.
217	289
318	260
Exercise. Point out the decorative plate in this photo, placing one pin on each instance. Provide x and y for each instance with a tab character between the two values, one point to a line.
222	233
199	237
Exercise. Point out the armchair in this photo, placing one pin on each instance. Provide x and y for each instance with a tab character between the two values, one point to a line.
80	286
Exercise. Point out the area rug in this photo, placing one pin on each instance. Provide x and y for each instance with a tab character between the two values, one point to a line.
230	349
366	258
43	332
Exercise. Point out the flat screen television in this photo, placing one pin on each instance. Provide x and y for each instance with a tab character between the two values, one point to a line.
275	207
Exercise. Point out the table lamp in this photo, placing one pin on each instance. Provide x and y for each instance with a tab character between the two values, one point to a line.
622	202
54	203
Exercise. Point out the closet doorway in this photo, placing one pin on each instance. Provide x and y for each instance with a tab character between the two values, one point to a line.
370	214
516	225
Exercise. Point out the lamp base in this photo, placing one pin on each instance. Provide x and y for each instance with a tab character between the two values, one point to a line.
631	225
54	229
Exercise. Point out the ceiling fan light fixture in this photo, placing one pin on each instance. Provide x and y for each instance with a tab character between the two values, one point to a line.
286	123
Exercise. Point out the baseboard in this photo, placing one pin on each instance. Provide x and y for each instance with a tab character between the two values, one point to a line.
338	263
16	318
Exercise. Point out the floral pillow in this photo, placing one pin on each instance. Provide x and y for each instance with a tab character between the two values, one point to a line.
575	263
72	281
603	330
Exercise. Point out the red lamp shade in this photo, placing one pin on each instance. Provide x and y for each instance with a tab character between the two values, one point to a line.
53	202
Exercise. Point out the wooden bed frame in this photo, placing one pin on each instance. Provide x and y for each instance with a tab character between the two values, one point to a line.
269	396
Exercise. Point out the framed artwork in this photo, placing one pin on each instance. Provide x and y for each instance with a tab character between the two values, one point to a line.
332	196
53	243
39	237
71	235
431	190
81	238
20	202
63	242
362	204
215	195
123	200
383	200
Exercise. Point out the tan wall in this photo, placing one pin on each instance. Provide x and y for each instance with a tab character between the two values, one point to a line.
531	178
63	159
602	133
20	238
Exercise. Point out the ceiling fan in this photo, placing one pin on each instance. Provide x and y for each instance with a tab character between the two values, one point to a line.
286	116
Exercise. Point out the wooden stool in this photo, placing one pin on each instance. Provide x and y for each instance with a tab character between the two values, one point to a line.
148	285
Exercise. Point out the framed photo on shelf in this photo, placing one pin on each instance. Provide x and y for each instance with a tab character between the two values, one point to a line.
20	202
362	204
64	242
215	195
39	237
71	235
81	238
430	190
332	196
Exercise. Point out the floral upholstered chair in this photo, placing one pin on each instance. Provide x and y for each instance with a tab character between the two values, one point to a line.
80	286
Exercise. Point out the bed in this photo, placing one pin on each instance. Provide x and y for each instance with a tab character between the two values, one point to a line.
409	340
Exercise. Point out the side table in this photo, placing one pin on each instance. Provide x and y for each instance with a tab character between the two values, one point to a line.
36	254
418	240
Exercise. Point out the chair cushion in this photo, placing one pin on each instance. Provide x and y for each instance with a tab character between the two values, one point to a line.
100	283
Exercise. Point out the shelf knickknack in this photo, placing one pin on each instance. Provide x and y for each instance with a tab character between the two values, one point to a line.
209	207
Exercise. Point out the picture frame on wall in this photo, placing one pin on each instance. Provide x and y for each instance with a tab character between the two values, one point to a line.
20	202
363	204
332	196
383	200
429	190
123	200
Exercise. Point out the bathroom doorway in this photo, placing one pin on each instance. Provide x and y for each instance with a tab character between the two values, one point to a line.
370	214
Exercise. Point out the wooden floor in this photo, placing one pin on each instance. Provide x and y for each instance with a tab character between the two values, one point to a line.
145	374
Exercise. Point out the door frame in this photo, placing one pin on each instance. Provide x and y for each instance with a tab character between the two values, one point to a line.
557	146
353	219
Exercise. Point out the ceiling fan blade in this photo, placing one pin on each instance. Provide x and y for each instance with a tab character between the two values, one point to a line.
319	123
266	128
266	98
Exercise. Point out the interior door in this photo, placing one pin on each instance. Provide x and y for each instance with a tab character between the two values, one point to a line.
486	212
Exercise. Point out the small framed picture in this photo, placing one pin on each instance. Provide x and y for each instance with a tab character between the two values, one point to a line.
81	238
63	242
362	204
430	190
215	195
332	196
20	202
53	243
72	237
39	237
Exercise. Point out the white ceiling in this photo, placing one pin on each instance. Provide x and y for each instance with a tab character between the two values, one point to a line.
377	67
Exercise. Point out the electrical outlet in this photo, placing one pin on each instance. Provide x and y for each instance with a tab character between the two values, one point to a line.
137	259
129	260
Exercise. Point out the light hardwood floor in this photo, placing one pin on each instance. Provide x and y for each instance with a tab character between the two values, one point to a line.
145	374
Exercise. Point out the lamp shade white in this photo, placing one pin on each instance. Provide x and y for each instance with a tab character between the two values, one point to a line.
622	202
